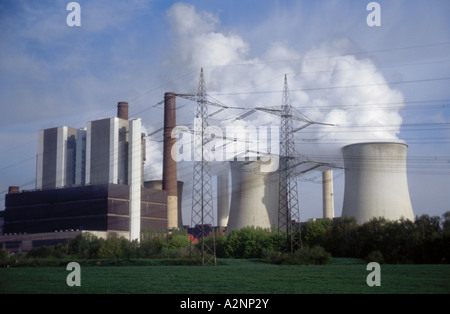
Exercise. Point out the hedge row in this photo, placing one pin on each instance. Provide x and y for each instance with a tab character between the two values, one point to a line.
425	240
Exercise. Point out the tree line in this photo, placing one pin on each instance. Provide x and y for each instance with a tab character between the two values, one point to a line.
424	240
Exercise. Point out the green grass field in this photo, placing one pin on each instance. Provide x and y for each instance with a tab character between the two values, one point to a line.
231	277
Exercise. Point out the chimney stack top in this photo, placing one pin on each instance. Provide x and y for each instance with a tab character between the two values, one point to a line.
122	110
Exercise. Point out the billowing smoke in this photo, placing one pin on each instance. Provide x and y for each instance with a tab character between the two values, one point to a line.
330	83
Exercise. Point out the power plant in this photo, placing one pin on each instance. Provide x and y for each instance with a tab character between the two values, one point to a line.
87	180
91	180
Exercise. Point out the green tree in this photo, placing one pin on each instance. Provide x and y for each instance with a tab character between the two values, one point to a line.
249	242
341	239
315	231
4	258
371	236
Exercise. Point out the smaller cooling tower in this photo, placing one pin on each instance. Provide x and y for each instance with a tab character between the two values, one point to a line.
254	198
375	182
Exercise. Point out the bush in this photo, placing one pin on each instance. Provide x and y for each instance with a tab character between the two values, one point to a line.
272	256
40	252
150	247
303	256
341	238
315	256
315	231
4	258
375	256
178	241
84	246
221	242
168	252
117	248
249	242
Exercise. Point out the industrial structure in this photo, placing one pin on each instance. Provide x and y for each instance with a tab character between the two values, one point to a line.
254	196
92	180
376	182
327	194
87	180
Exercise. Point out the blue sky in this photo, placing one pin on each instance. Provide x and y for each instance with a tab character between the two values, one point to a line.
52	74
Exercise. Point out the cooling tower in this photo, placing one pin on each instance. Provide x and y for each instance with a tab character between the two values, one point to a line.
375	182
254	198
223	202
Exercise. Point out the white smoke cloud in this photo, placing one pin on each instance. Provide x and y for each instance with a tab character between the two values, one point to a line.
237	77
329	83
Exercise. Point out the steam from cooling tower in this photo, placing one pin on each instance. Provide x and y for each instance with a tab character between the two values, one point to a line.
331	82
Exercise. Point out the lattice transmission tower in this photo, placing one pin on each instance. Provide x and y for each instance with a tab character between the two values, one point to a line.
202	216
288	206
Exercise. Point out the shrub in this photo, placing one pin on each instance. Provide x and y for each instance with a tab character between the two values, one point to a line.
315	255
272	256
341	238
315	231
84	246
168	252
178	241
150	247
303	256
117	248
221	242
40	252
375	256
249	242
4	258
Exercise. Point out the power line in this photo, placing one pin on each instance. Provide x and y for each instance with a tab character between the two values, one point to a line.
332	87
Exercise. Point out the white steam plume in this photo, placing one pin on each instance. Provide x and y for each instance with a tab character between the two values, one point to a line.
328	83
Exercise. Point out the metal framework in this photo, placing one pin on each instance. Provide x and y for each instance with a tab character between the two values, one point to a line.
288	206
202	216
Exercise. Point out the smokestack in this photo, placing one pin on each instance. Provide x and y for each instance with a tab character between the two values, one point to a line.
169	164
13	190
327	190
134	177
122	110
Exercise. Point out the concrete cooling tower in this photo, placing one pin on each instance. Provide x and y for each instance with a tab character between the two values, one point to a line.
375	182
254	198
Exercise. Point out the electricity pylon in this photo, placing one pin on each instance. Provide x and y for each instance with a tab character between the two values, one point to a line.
288	206
202	217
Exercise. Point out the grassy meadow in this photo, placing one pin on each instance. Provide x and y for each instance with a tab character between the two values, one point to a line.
230	276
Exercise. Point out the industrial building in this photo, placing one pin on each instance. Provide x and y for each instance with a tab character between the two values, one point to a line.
92	180
87	180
